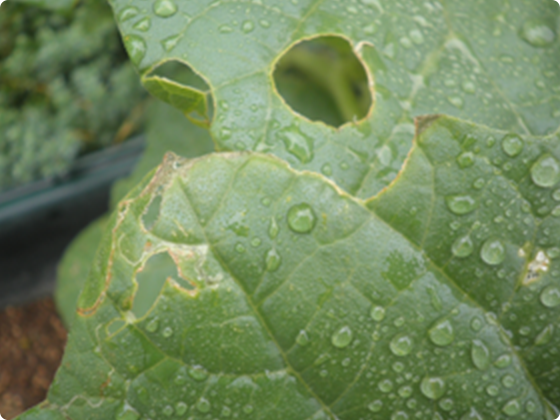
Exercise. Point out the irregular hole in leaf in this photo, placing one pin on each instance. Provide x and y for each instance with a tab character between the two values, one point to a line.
323	79
151	214
150	281
175	82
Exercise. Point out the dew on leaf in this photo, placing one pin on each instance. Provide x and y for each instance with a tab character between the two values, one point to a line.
545	172
401	345
446	404
503	361
550	296
375	406
198	373
476	324
456	101
433	388
298	144
508	381
273	229
468	86
545	336
165	8
377	313
181	408
461	204
442	333
480	355
272	260
303	338
127	13
301	218
472	414
143	24
168	411
326	169
399	415
248	26
203	405
153	325
512	145
128	415
342	338
248	409
493	252
537	33
264	23
167	332
171	42
556	195
405	391
136	47
385	386
226	411
512	408
465	159
225	29
492	390
462	247
530	406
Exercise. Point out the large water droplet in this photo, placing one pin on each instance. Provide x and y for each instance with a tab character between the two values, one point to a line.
508	381
128	13
550	296
493	252
298	144
537	33
136	48
462	247
301	218
471	415
545	336
461	204
385	386
171	42
480	355
168	411
512	145
375	406
248	26
303	338
401	345
442	333
143	24
273	229
464	160
153	325
167	332
198	373
203	405
342	338
546	171
377	313
512	408
272	260
433	388
399	415
181	408
503	361
165	8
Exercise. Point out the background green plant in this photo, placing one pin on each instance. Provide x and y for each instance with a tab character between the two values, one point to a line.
238	285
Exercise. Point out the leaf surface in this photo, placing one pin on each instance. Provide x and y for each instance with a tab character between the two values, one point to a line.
492	62
278	296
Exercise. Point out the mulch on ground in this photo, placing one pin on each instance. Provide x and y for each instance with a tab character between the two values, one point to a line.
32	340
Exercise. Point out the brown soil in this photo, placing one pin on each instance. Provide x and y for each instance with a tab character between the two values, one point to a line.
32	340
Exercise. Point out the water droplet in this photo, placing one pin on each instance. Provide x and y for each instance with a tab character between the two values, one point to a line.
273	229
508	381
461	204
405	391
401	345
128	414
301	218
165	8
503	361
169	43
136	48
512	408
492	390
462	247
550	296
545	336
225	29
128	13
342	338
479	183
240	248
153	325
530	406
442	334
512	145
298	144
471	415
181	408
537	33
377	313
556	195
375	406
385	386
203	405
226	411
456	101
198	373
168	411
248	409
433	388
416	36
302	339
264	23
143	24
476	324
399	415
468	86
346	362
248	26
546	171
273	260
493	252
255	242
480	355
465	159
446	405
167	332
327	169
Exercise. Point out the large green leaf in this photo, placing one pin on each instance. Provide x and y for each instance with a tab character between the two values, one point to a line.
494	62
275	295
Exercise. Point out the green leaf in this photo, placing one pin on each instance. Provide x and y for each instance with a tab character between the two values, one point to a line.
275	295
494	62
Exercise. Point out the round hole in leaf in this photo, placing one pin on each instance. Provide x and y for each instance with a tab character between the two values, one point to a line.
322	79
